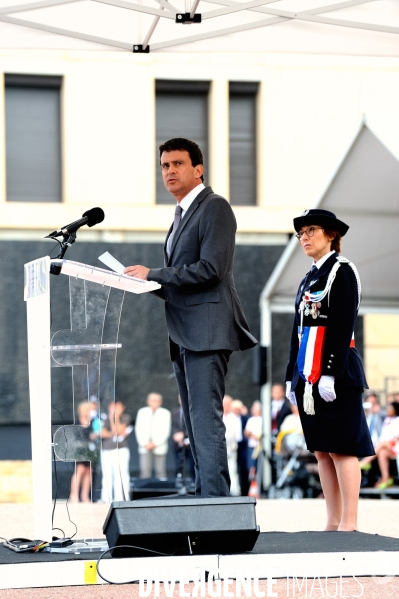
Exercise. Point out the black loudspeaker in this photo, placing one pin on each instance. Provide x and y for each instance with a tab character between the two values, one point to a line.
182	526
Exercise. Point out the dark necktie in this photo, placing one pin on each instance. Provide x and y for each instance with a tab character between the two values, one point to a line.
312	273
176	222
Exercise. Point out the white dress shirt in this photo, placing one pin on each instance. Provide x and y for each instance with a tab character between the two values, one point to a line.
190	197
185	205
320	262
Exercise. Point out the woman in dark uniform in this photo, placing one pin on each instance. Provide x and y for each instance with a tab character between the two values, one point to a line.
325	375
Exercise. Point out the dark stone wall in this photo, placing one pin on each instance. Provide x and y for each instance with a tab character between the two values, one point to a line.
143	363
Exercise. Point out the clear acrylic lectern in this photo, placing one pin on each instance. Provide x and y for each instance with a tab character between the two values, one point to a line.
88	348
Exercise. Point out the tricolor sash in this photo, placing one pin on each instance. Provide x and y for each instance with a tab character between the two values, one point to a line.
310	355
311	339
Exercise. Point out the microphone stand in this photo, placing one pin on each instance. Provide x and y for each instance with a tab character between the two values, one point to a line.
68	240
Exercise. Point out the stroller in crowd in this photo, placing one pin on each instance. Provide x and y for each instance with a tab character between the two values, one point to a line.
295	468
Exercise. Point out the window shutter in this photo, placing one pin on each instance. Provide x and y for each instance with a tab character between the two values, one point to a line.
181	111
33	139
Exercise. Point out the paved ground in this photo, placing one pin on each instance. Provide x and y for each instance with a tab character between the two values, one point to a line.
376	517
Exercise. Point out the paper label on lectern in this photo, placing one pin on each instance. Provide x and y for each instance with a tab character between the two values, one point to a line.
36	275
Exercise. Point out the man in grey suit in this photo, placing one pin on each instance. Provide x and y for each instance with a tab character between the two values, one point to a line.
204	316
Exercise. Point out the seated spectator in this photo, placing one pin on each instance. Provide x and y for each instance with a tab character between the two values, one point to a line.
290	436
153	427
387	446
374	417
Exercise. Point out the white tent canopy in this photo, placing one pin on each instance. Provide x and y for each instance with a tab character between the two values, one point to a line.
364	193
360	27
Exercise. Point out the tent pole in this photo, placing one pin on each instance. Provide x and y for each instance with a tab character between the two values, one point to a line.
265	391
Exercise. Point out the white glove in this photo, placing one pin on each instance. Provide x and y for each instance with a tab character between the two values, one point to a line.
290	394
326	388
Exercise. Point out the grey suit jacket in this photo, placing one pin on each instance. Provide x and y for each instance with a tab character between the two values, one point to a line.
203	311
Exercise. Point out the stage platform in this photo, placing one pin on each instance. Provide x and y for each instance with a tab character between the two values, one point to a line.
276	554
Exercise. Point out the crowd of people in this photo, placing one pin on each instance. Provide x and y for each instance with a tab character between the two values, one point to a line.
104	438
383	425
104	444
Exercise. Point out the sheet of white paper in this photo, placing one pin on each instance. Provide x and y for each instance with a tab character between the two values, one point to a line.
111	262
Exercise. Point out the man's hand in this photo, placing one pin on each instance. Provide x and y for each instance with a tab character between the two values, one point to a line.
138	271
149	446
178	438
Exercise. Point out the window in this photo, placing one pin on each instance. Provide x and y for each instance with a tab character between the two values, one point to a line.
242	137
33	138
181	111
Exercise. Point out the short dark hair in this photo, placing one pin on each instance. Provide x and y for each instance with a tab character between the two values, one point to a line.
336	240
182	144
395	406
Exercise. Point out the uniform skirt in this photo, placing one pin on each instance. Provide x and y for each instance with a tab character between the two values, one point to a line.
338	426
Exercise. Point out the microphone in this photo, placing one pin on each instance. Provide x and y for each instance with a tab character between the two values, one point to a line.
90	218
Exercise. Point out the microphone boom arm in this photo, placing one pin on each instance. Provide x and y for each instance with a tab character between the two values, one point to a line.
68	240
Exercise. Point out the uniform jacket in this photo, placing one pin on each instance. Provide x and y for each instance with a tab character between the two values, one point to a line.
337	313
203	310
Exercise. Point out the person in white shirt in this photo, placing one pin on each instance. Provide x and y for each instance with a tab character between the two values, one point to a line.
233	436
253	432
153	428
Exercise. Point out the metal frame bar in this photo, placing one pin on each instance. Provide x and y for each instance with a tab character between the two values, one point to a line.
218	32
68	32
233	7
150	32
164	4
233	2
137	7
34	5
194	8
319	10
352	24
279	17
169	6
230	7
